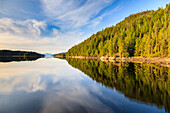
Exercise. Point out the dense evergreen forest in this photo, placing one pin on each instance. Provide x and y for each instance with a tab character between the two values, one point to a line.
145	34
144	82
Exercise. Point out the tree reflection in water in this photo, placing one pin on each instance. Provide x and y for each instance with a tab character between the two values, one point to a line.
146	83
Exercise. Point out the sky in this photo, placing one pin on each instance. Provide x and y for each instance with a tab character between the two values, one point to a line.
54	26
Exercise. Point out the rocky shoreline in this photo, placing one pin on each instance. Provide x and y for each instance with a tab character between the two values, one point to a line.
152	60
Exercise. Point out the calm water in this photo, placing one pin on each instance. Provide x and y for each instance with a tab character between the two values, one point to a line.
83	86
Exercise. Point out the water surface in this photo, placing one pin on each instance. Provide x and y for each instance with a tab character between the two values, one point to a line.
81	86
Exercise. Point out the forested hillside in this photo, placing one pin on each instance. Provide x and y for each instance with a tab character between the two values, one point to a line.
145	34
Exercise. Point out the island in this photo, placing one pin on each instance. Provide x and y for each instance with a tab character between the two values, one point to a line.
9	55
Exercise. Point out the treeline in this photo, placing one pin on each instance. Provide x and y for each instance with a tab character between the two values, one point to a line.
9	53
144	82
63	55
145	34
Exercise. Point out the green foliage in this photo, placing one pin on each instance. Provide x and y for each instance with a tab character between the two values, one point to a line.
60	55
144	34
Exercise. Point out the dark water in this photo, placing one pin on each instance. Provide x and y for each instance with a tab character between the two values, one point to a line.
83	86
17	59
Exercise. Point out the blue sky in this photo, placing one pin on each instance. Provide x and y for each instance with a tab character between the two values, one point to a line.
52	26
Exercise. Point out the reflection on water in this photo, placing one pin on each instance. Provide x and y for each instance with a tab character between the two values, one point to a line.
143	82
51	85
18	59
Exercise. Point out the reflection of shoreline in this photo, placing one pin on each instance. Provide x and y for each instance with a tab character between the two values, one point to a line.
18	58
146	83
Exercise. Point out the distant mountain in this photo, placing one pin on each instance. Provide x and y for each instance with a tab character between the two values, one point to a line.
48	55
145	34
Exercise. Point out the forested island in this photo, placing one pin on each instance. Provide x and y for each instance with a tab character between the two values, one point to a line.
8	55
145	34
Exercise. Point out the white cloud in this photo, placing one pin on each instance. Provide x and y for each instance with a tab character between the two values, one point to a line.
69	15
73	13
25	35
62	42
97	20
29	27
55	31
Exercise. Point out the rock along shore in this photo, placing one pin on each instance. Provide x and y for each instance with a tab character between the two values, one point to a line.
152	60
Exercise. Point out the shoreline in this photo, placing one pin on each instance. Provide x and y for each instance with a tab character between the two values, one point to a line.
16	56
151	60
